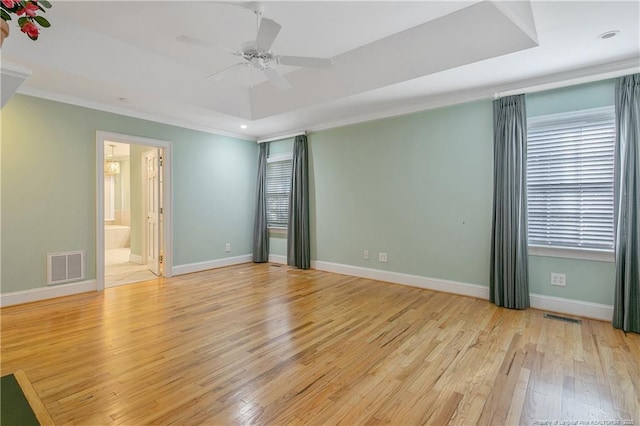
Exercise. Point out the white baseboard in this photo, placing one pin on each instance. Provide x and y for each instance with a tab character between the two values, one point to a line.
278	258
42	293
446	286
210	264
538	301
136	258
572	307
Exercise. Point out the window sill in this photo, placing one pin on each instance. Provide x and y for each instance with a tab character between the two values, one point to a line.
595	255
278	231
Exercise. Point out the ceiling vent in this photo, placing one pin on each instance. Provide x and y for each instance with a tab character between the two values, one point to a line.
65	267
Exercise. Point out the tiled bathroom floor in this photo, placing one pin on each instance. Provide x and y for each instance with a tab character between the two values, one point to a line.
119	271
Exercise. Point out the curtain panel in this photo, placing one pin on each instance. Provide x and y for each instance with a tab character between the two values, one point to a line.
626	308
509	281
260	230
298	243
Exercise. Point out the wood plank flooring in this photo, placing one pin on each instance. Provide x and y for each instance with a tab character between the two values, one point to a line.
273	345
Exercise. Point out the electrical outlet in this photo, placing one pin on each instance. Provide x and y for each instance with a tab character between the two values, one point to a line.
227	247
558	279
382	257
366	254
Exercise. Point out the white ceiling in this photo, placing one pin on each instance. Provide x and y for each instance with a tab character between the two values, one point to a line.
389	57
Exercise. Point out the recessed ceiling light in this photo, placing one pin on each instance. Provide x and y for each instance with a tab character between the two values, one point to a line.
243	126
609	34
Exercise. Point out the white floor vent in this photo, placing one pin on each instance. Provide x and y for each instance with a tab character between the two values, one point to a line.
65	267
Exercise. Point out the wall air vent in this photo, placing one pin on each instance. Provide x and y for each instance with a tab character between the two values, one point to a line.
65	267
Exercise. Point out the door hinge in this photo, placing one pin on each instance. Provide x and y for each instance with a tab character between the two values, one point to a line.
161	258
160	210
161	162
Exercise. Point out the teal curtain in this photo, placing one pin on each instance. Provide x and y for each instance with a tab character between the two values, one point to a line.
509	281
626	308
260	230
298	243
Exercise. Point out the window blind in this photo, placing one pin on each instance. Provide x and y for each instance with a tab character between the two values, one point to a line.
570	180
278	188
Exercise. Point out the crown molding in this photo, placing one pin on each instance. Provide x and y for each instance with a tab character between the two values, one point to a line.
427	102
571	78
537	84
99	106
14	70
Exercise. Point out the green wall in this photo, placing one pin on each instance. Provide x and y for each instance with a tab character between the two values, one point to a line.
419	187
49	196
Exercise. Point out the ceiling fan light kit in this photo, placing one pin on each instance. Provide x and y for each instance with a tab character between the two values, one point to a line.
257	54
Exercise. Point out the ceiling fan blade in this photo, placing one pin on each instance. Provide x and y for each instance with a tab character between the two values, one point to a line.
304	61
276	79
267	33
217	76
203	43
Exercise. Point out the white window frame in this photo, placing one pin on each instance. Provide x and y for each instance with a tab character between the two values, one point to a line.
275	159
569	252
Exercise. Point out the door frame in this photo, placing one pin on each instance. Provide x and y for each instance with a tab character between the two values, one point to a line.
167	191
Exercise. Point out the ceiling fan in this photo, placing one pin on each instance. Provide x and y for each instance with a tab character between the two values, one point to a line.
257	54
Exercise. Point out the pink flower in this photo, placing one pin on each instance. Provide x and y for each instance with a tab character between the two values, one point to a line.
30	9
9	4
30	29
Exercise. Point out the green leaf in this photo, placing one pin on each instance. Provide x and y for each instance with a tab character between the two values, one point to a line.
5	16
44	3
42	21
22	20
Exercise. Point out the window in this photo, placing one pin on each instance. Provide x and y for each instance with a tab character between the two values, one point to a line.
570	180
278	189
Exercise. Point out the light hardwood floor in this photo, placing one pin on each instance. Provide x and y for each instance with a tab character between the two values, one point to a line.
273	345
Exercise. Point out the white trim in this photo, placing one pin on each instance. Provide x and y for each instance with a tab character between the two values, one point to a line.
136	258
42	293
167	198
211	264
567	253
549	82
427	102
15	70
572	307
538	301
573	78
99	106
281	137
437	284
431	102
278	258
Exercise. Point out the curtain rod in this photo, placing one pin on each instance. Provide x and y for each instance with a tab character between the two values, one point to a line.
278	138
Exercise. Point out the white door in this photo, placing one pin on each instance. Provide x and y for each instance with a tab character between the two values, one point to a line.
151	166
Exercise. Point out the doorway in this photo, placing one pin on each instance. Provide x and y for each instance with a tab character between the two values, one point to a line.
133	214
